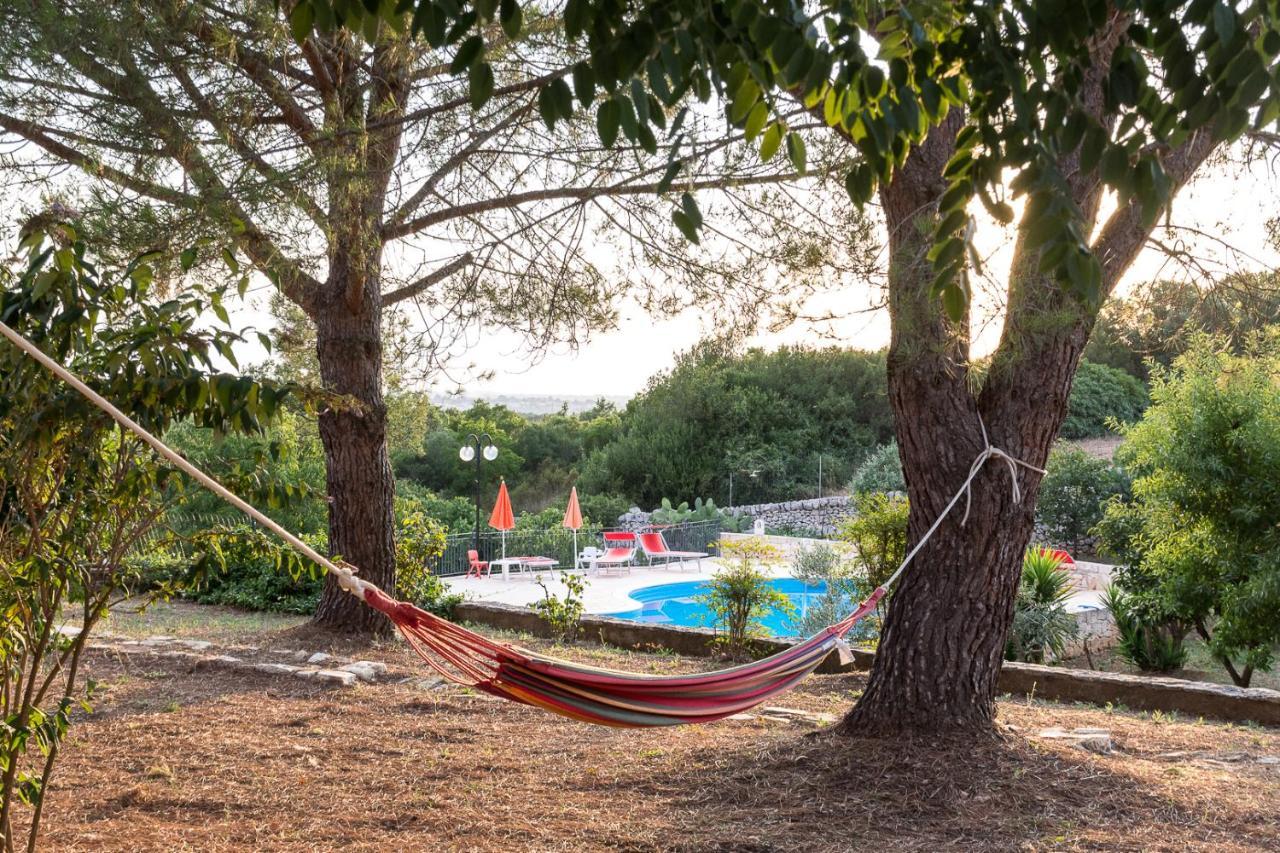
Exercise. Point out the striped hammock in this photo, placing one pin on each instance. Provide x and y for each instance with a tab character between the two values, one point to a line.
603	696
580	692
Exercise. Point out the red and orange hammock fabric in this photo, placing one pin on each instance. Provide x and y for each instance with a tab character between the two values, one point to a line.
603	696
590	694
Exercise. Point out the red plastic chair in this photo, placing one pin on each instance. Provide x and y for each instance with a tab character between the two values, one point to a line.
477	567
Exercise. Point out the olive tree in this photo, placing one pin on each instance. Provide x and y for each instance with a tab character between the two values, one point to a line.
78	495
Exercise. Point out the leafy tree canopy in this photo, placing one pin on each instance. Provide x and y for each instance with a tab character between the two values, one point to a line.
1101	395
764	416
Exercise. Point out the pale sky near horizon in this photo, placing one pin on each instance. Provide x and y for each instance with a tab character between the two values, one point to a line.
1230	213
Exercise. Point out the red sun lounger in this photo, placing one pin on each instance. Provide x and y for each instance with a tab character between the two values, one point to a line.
656	548
620	552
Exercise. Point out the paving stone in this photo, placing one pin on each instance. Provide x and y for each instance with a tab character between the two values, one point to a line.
275	668
1091	740
227	660
320	657
799	715
195	645
1269	759
365	670
336	676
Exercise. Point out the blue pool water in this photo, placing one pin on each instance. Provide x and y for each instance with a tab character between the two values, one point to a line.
674	604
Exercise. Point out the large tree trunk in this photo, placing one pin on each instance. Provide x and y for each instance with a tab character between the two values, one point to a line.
361	486
938	662
939	659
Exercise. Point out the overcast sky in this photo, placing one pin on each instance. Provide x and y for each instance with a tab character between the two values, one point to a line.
1230	212
1221	220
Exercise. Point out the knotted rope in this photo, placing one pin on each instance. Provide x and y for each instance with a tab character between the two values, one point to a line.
988	453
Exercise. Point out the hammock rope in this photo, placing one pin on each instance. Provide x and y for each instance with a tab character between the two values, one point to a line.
590	694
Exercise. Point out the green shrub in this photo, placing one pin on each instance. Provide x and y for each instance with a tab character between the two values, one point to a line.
878	535
1073	495
455	514
563	614
798	531
1199	535
1041	623
880	471
845	584
1098	395
603	510
253	577
740	594
419	541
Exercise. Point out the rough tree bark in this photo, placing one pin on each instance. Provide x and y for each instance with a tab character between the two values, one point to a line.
939	659
359	479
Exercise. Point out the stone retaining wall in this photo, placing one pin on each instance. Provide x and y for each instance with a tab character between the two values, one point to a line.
821	515
1046	682
1092	576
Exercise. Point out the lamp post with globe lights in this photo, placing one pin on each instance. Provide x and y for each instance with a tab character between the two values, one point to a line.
478	448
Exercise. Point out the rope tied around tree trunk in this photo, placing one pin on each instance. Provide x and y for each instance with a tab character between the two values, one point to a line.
989	452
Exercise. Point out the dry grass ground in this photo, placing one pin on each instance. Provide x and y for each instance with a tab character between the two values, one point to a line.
176	758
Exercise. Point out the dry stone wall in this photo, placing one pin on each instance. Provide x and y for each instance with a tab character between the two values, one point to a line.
818	516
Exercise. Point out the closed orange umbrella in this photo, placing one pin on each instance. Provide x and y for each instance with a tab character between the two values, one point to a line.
573	520
502	518
573	512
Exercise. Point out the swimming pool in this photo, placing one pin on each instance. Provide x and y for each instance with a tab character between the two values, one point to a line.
674	604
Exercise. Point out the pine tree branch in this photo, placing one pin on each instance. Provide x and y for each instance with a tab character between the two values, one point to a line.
37	135
428	281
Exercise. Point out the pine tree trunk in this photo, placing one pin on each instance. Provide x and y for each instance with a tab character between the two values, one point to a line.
361	486
939	659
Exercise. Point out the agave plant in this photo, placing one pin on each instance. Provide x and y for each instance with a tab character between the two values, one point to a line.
1152	645
1041	623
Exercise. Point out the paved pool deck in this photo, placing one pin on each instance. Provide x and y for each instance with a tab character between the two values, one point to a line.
610	593
604	593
